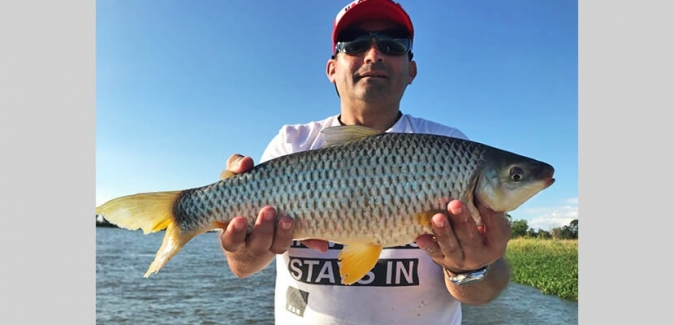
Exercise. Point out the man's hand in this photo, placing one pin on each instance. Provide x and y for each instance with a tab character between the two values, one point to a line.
459	245
249	253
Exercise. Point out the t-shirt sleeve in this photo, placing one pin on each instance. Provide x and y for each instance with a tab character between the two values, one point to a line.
291	139
441	129
276	147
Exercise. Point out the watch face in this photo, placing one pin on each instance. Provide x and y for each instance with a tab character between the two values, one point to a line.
470	277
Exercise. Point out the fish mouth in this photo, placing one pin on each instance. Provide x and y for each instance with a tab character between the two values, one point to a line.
545	172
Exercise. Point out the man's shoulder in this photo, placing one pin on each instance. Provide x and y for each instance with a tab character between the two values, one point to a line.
422	125
297	137
302	130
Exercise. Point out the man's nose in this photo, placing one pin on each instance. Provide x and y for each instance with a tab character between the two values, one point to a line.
372	54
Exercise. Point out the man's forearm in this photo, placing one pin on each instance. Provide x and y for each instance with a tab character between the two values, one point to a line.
482	292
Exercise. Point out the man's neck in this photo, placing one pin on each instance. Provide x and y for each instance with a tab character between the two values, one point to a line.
381	120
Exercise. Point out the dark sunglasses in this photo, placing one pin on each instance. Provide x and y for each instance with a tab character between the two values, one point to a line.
385	43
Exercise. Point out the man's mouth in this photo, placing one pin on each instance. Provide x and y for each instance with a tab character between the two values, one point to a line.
372	74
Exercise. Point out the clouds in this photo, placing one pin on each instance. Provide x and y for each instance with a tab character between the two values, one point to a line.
551	217
573	201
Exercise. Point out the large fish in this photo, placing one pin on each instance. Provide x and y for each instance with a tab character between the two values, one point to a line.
364	189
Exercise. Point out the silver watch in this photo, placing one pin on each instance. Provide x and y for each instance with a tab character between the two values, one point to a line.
467	277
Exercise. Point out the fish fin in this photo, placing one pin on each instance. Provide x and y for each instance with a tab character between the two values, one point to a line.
469	198
220	224
173	242
475	213
150	212
356	260
424	218
227	174
337	135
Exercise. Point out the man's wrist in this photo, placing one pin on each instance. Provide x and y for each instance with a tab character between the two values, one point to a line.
465	277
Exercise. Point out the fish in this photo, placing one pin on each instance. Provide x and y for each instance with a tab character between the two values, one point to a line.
364	189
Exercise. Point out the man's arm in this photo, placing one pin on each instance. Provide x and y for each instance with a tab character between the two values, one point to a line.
484	291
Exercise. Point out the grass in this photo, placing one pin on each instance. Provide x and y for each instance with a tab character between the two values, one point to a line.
546	264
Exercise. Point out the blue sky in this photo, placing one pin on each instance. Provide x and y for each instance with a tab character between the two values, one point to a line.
182	85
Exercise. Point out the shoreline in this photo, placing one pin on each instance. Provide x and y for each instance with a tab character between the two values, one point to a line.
101	222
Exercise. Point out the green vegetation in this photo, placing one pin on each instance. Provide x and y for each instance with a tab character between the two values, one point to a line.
545	260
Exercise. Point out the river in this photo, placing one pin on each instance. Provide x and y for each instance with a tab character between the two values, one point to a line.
196	287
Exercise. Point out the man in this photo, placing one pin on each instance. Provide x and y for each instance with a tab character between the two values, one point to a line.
424	282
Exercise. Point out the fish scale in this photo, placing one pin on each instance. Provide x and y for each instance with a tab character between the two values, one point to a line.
364	189
400	176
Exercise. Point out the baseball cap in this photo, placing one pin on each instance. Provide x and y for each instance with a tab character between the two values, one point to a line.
361	10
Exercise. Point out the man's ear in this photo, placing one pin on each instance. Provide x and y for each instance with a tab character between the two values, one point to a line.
330	70
412	72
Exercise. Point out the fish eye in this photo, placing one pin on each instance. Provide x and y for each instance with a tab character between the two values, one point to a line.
516	173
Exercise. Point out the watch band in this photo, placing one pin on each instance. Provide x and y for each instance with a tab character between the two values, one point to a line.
467	277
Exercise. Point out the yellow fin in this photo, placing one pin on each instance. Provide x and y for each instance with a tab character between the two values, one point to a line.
356	260
424	218
220	224
150	212
173	242
226	174
337	135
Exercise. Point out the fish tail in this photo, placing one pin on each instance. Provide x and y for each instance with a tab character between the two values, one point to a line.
151	212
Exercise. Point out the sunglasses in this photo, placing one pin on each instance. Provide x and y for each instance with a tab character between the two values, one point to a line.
385	43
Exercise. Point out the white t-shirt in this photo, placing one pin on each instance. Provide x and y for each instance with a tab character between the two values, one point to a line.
405	287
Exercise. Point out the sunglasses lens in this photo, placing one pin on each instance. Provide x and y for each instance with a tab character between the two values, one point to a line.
385	44
357	46
393	46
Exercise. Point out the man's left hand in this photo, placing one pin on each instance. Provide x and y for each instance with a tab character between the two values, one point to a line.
459	246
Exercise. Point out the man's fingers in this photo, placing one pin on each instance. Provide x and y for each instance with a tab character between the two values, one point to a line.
463	223
428	243
260	239
316	244
265	237
284	235
497	228
239	164
445	237
234	236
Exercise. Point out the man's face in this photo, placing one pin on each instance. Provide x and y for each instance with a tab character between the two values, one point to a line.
371	75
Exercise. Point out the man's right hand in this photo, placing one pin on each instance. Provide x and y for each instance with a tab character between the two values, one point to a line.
246	253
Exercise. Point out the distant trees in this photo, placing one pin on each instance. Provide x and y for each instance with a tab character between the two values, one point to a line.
544	234
520	228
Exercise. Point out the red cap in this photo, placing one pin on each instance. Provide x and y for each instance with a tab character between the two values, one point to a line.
362	10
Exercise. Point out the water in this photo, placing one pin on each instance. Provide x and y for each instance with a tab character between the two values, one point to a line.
196	287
